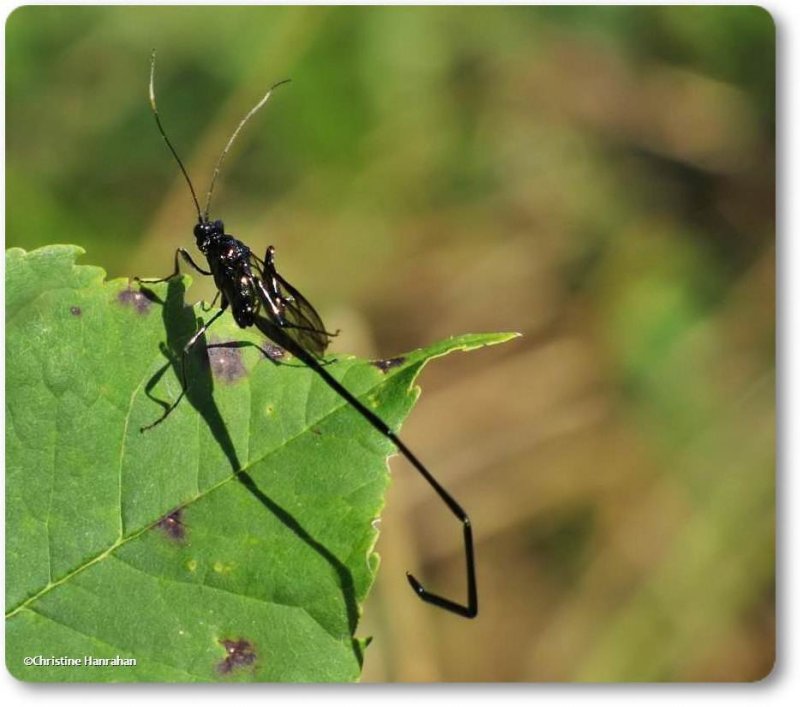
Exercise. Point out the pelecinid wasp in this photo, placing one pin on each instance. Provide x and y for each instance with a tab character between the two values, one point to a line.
258	296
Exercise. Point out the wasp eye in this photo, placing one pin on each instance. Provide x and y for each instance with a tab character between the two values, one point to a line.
219	226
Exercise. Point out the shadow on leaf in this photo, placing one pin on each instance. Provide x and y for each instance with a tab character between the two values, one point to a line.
180	324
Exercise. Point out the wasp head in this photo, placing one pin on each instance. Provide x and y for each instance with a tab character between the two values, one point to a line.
206	231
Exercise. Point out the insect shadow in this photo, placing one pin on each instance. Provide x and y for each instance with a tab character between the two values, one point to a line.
180	323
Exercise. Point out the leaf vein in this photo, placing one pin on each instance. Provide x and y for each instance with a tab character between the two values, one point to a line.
249	597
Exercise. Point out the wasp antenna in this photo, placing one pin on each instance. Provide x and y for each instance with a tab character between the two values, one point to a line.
164	134
239	127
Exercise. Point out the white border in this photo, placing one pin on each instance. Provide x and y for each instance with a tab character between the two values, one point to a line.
776	689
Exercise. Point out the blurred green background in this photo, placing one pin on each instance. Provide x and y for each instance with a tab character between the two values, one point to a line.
600	179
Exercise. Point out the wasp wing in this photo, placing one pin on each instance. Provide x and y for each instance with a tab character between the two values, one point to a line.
287	309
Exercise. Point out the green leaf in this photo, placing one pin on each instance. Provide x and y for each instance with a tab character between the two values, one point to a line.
232	542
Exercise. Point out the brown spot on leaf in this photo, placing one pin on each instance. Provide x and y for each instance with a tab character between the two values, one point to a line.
240	654
387	364
226	363
75	311
272	351
132	298
172	525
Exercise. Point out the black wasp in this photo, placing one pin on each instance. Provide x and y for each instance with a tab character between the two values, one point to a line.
258	296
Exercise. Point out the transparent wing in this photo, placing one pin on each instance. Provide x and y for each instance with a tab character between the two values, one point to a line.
286	308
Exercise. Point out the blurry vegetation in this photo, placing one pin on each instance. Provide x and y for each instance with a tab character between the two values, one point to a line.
601	179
